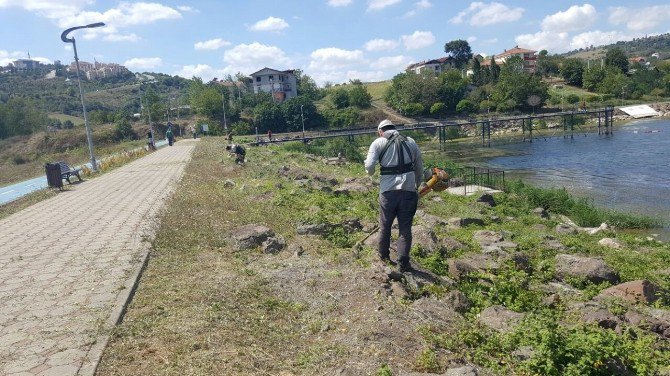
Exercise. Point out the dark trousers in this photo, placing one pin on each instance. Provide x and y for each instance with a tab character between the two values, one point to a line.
401	205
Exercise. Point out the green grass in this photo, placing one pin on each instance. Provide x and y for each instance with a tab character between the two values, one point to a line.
377	89
77	121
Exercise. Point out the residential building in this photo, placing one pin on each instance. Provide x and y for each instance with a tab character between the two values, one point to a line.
97	70
527	56
24	65
281	84
434	65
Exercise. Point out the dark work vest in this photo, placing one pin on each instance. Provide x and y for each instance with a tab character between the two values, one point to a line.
400	143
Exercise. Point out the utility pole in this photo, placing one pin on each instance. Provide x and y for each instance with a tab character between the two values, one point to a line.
223	101
303	123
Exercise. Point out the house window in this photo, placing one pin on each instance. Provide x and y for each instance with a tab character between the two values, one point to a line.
271	77
258	79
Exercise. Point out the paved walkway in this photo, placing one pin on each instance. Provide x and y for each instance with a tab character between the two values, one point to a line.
68	264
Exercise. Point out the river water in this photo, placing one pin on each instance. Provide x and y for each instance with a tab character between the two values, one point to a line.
627	171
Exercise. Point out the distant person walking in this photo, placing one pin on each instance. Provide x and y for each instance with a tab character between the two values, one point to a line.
169	136
193	132
269	135
401	170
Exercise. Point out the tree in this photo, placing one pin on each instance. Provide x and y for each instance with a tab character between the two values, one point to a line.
406	88
340	97
615	57
460	51
592	77
306	85
515	86
572	70
477	77
269	116
494	70
298	108
453	88
547	65
466	107
359	96
615	83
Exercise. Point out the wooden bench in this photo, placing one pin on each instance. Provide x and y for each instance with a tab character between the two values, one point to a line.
66	172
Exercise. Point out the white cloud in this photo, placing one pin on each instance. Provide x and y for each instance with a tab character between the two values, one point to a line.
395	63
143	63
471	39
8	57
483	14
380	44
333	58
419	39
345	76
248	58
339	3
418	6
575	18
544	40
269	24
640	19
186	8
126	14
599	38
381	4
204	71
121	38
212	44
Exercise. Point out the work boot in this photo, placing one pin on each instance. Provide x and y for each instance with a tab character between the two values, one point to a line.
404	266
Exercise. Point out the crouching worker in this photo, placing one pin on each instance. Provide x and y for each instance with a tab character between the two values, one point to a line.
238	151
401	169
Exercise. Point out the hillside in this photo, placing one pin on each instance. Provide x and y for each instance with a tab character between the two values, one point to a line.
643	47
498	288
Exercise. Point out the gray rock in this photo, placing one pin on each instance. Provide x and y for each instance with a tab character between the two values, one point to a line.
454	222
593	269
352	225
523	353
425	238
273	244
487	237
562	228
472	221
228	183
296	250
610	243
451	244
500	318
250	236
462	371
487	199
348	188
430	219
460	269
434	311
321	229
540	212
458	301
640	291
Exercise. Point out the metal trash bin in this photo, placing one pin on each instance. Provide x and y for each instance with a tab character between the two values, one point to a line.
54	179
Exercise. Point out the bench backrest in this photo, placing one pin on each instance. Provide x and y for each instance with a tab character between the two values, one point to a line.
64	167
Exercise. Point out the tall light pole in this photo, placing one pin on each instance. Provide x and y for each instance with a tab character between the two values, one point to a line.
223	101
303	122
65	39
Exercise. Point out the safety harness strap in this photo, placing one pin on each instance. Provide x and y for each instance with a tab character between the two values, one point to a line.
401	145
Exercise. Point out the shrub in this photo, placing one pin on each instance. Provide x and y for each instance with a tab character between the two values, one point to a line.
241	127
413	109
572	98
124	131
438	108
487	105
465	106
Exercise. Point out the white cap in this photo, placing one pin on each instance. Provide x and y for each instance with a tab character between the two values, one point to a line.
384	123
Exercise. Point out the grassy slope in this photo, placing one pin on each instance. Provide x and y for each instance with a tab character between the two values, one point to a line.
204	308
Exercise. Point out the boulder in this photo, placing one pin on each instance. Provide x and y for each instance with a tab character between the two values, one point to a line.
457	301
348	188
472	221
273	244
593	269
460	269
563	228
434	311
540	212
462	371
500	318
320	229
487	237
451	244
250	236
425	238
487	199
640	291
610	243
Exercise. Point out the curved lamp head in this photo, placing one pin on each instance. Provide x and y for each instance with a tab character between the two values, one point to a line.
64	37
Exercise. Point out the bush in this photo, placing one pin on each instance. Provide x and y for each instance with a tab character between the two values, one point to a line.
124	131
466	107
572	98
438	108
340	98
241	127
413	109
487	105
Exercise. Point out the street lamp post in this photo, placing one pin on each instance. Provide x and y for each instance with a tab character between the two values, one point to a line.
65	39
303	122
223	101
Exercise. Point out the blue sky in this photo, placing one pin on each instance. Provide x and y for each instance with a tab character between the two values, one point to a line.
330	40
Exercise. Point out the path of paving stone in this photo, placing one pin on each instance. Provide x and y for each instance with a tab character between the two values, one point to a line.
68	264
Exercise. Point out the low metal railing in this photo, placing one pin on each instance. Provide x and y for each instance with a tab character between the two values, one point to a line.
473	179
